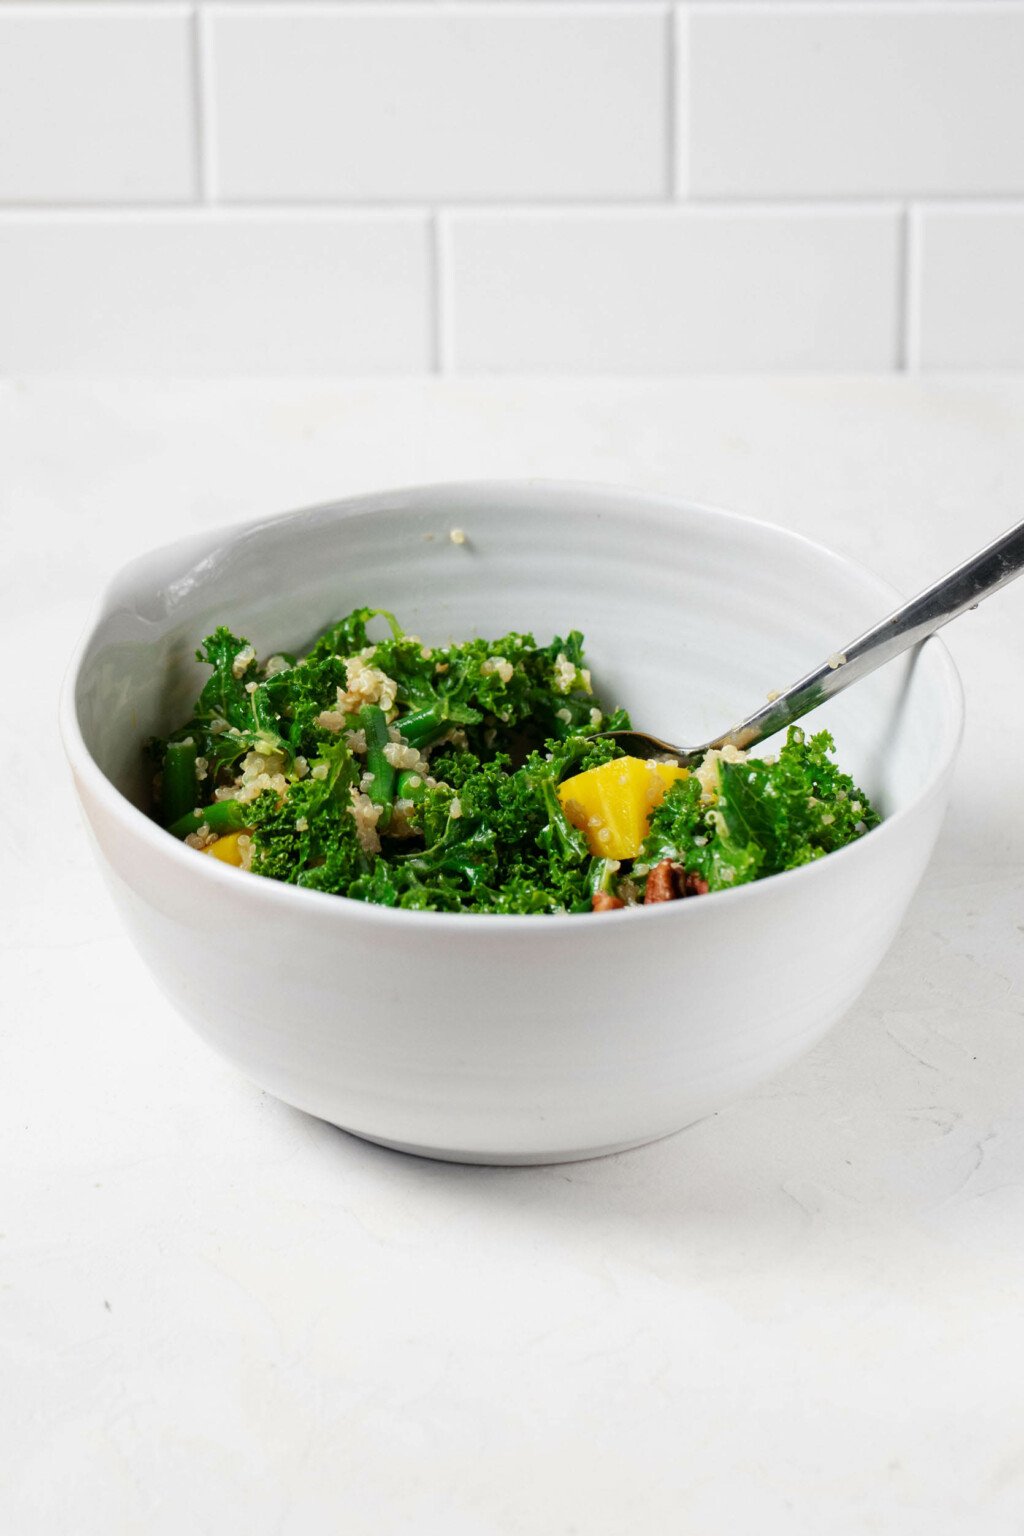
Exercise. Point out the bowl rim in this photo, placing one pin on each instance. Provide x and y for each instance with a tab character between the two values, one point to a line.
198	547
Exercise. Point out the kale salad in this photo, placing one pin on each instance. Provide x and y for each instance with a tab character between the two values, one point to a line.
473	777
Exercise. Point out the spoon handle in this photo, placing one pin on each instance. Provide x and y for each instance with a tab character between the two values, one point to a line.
962	588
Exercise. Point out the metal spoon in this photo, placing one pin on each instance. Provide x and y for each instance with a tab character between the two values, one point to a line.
963	588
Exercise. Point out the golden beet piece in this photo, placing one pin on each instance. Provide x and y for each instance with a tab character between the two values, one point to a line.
612	804
226	848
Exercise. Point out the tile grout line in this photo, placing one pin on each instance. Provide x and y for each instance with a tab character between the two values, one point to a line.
196	82
295	207
202	86
786	205
671	104
911	360
900	309
745	8
682	65
439	361
570	7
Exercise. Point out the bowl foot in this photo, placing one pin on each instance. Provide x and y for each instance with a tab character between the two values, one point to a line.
511	1159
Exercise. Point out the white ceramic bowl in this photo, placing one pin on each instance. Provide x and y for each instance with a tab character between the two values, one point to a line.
516	1039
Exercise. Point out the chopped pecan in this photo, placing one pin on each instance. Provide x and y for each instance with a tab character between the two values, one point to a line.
661	883
602	902
668	881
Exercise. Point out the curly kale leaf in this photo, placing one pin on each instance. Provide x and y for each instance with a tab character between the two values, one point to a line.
508	694
308	836
394	885
348	636
509	847
578	754
222	727
292	700
224	695
477	684
765	817
798	808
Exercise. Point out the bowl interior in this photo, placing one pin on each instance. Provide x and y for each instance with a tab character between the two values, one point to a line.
690	616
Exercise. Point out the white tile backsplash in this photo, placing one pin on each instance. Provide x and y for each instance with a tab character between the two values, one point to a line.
670	291
197	294
96	104
820	101
401	102
969	287
349	186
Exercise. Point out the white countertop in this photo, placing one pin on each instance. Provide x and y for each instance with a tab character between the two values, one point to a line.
803	1315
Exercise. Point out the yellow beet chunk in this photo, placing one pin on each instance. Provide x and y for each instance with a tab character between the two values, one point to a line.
612	804
226	848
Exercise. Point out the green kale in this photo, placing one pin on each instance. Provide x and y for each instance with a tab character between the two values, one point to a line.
348	637
224	696
481	829
497	840
602	877
766	816
504	694
293	699
209	734
229	720
308	837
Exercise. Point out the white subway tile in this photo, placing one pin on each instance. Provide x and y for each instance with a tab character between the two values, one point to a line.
95	104
968	288
872	100
664	291
410	102
200	293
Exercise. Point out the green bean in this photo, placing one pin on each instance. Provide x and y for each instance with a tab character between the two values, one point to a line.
381	789
178	793
222	816
410	785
